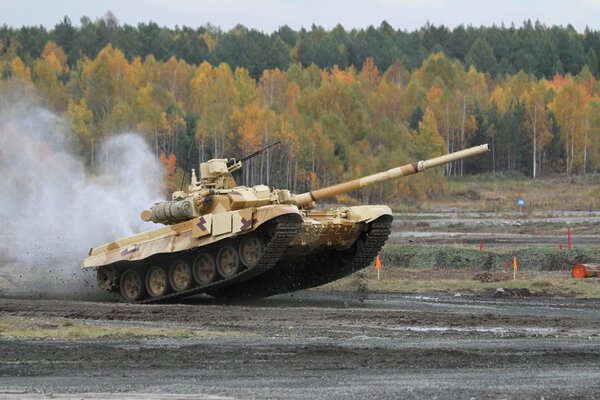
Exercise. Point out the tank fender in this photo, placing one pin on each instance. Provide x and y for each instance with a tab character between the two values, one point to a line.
267	213
367	213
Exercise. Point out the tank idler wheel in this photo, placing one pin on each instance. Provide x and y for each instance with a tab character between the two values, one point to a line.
157	281
205	269
180	275
228	261
251	249
132	285
107	278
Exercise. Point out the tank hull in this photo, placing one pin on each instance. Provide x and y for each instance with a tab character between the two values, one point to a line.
201	231
298	250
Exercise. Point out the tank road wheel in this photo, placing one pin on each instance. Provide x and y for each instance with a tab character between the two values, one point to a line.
251	249
228	261
132	286
205	269
180	275
157	281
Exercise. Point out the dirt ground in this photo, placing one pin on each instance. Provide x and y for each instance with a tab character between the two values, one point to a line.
316	344
311	344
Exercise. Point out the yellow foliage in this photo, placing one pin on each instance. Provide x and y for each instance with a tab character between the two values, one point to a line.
498	97
344	77
569	107
19	70
210	42
55	56
434	94
81	119
369	72
333	124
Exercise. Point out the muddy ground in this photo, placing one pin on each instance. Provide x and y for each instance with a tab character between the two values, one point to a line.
314	344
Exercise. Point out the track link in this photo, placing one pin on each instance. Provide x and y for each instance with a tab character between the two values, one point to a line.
312	270
375	240
287	227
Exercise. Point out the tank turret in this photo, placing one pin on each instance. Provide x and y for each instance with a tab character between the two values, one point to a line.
217	182
229	240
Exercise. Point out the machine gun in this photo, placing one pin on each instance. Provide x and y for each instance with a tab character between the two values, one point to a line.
231	162
250	156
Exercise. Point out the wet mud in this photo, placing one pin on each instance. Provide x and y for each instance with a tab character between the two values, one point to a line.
314	344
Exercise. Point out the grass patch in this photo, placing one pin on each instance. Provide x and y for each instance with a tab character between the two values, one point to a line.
396	279
452	257
64	329
500	191
415	268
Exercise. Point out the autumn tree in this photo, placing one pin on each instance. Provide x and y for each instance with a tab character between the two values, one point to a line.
537	124
428	141
20	70
360	112
80	117
569	108
593	129
47	74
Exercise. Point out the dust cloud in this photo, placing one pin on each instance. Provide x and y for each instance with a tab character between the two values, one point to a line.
52	211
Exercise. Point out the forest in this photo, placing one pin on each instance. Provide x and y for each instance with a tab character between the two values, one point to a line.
343	103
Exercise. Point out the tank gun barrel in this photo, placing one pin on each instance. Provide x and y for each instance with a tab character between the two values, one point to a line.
394	173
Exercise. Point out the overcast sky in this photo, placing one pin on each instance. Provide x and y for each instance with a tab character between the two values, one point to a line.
269	15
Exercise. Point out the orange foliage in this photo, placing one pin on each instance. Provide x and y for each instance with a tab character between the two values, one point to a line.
19	70
345	77
369	71
434	94
313	180
169	163
292	92
55	55
331	123
250	122
559	80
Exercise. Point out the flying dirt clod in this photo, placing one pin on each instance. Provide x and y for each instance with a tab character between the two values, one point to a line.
236	241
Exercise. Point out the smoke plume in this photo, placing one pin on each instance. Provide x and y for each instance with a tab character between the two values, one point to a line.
52	211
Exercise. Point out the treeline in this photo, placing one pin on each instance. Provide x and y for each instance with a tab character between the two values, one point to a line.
534	48
334	124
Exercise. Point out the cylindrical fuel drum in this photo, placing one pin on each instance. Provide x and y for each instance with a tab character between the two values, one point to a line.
170	212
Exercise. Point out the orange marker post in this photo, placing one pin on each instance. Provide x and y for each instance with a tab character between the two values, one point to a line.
377	265
515	267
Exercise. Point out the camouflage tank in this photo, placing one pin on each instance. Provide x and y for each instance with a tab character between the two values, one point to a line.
234	241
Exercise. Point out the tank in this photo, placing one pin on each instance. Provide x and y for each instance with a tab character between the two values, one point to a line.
235	241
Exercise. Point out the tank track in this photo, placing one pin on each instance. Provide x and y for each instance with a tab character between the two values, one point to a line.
286	229
374	241
313	270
